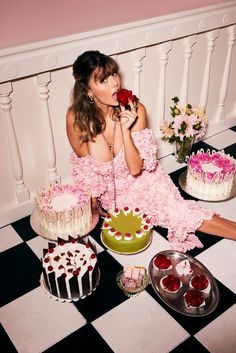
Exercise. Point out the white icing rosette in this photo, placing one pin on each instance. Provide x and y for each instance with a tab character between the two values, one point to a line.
118	235
115	212
111	232
106	225
136	211
146	227
107	218
128	236
126	210
147	221
139	233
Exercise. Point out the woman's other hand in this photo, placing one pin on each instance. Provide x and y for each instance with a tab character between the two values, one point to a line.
97	207
128	117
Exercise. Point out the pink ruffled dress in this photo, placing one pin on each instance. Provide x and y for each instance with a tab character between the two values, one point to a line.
152	191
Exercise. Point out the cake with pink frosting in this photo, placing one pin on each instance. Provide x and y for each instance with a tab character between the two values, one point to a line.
126	231
210	175
64	210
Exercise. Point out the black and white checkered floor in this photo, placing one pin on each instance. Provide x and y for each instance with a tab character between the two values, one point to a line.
108	321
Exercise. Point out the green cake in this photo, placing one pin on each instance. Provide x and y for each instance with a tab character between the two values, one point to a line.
126	231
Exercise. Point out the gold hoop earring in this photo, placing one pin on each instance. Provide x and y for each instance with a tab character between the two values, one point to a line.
91	99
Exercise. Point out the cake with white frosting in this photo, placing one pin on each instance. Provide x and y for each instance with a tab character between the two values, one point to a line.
126	231
70	269
64	209
210	175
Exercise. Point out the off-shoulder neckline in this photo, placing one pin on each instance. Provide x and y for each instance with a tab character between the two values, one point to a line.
120	151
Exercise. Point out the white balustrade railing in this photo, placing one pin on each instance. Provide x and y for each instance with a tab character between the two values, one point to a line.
189	54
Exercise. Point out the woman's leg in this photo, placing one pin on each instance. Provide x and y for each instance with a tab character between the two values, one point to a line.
219	226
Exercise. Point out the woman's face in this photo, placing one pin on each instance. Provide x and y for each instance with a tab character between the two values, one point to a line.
104	92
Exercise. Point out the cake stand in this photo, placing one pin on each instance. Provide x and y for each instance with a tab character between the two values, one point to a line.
188	190
35	224
126	252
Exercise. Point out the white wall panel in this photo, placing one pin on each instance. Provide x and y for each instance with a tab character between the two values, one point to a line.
168	59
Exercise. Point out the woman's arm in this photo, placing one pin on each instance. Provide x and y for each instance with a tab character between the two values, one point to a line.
132	121
80	148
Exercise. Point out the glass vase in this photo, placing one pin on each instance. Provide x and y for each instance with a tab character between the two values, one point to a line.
183	149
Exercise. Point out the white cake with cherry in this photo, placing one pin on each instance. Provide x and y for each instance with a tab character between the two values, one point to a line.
64	210
70	269
210	175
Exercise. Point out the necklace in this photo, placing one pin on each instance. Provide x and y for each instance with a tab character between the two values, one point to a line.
111	148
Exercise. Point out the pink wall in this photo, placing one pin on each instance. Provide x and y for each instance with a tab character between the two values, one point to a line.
27	21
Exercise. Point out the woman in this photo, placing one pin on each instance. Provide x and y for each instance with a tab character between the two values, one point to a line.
115	157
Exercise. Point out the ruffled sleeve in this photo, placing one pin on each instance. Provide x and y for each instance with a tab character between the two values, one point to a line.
85	173
146	143
81	170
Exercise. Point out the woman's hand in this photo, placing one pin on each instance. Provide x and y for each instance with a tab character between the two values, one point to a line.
97	207
128	117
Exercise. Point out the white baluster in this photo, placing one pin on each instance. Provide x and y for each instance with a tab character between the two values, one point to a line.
225	79
189	42
165	48
212	36
138	56
22	192
43	81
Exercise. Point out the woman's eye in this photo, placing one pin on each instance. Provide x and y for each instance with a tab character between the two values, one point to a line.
104	80
115	74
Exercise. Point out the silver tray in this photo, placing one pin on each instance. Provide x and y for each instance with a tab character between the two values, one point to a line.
35	224
183	185
176	300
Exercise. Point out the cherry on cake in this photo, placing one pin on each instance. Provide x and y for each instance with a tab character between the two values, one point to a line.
64	209
200	282
70	269
194	299
126	231
170	283
162	262
210	175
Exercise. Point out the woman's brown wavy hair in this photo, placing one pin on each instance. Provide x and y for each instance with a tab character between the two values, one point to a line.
89	118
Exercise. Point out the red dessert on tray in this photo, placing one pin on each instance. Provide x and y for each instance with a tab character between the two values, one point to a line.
194	298
200	282
162	262
171	283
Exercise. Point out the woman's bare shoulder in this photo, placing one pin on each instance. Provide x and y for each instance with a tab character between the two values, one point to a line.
73	134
